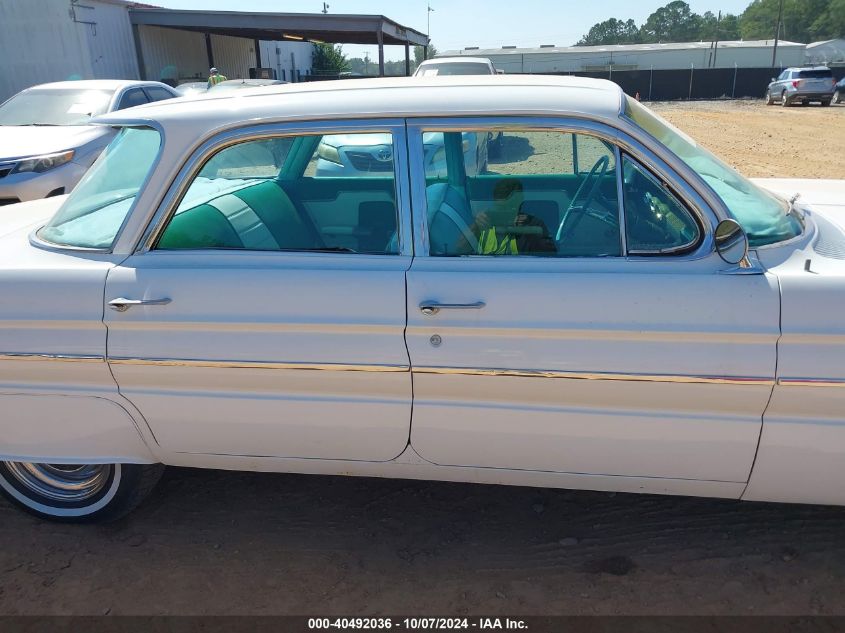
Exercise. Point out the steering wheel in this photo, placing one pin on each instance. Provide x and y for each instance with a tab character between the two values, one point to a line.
591	185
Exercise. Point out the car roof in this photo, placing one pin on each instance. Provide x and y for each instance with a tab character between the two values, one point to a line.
808	68
95	84
457	60
467	95
251	82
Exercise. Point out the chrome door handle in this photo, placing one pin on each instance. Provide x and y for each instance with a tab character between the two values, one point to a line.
122	305
432	307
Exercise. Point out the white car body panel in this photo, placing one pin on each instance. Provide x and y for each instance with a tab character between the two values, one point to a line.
58	399
323	362
21	141
410	465
305	358
576	318
802	447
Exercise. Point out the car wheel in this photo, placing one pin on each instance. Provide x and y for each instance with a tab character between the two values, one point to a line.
78	493
826	103
784	100
769	100
837	98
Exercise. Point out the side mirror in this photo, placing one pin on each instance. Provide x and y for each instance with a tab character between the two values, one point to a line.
774	79
731	242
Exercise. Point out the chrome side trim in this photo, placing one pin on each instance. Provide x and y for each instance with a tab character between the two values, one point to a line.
247	364
65	358
810	382
575	375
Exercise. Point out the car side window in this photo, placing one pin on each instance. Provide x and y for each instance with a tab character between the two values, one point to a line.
272	194
352	156
656	222
132	98
537	193
154	93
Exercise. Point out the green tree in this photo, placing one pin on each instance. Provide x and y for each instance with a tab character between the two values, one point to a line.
675	22
419	51
831	23
611	31
328	59
803	20
714	29
729	27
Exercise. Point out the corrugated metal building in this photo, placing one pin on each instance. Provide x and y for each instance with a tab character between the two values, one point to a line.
55	40
562	59
290	60
826	52
181	55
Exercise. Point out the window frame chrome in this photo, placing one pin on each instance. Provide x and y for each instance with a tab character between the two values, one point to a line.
659	182
621	139
193	163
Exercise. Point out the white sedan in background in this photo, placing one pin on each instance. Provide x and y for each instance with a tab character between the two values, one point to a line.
46	140
609	307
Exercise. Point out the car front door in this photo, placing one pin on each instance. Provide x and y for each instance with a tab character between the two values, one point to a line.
264	313
569	315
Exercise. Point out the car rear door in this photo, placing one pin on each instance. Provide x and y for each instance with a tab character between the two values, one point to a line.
242	327
554	345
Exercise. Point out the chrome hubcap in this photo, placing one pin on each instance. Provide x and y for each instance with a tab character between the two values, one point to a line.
62	482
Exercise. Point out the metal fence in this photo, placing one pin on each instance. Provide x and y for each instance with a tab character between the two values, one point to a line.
693	83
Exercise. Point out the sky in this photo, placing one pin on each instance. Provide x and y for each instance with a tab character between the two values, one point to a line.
456	24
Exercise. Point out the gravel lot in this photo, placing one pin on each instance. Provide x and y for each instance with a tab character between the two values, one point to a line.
766	141
212	542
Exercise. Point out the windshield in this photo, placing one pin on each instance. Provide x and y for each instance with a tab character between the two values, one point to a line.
66	106
462	68
764	217
94	212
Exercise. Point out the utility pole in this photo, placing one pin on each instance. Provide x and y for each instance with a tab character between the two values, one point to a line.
777	34
428	27
716	44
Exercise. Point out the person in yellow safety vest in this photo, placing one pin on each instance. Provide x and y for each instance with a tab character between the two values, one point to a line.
497	229
215	77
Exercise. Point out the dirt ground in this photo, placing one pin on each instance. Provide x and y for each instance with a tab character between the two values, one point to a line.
210	542
765	141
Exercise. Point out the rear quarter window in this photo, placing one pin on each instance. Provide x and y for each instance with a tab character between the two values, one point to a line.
824	73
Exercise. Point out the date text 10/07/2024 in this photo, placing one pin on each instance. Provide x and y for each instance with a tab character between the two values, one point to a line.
417	624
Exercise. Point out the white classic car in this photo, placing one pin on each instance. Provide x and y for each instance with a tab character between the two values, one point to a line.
607	307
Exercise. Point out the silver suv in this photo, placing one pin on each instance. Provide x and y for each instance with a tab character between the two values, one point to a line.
802	85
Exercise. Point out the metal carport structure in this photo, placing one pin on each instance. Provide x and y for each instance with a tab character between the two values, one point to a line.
308	27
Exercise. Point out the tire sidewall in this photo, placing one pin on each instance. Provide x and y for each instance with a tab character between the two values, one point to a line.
117	495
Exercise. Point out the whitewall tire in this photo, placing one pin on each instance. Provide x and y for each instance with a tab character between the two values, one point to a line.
78	493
